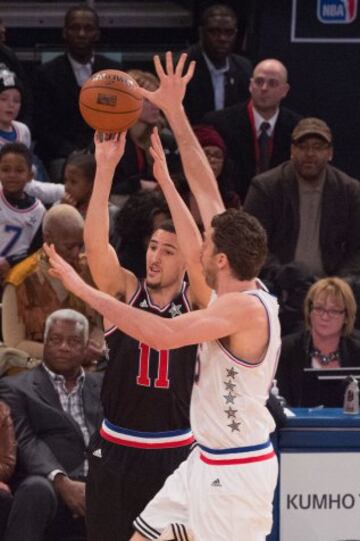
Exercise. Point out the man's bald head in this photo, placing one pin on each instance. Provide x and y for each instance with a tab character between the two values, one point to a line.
63	226
268	86
273	65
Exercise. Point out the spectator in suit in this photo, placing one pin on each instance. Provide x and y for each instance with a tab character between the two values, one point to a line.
55	408
310	209
257	133
7	463
221	77
58	126
329	340
31	294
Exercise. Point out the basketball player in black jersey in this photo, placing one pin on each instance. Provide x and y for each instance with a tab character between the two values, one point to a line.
146	393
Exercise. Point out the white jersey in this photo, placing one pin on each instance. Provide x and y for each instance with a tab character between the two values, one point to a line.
18	226
229	394
23	134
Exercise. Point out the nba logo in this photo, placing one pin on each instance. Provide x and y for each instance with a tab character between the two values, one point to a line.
337	11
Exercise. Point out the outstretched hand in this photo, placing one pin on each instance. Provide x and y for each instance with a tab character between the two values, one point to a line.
109	147
62	270
173	82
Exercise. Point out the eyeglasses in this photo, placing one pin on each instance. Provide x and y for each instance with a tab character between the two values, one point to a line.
271	83
315	147
331	312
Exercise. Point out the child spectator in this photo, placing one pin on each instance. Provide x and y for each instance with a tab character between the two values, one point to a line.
20	214
79	175
11	130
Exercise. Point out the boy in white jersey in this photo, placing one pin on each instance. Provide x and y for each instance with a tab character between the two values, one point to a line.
224	490
20	213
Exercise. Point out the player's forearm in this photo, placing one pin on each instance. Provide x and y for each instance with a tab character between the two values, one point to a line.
151	329
96	231
196	166
187	232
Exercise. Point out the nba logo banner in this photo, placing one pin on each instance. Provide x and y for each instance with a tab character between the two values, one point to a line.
337	11
325	21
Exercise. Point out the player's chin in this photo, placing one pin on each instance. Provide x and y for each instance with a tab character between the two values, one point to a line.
153	283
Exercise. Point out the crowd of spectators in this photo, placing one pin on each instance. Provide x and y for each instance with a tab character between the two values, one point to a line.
266	158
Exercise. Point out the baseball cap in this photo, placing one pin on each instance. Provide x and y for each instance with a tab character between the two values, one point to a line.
311	126
8	79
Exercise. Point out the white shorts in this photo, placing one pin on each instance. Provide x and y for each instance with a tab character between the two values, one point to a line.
214	502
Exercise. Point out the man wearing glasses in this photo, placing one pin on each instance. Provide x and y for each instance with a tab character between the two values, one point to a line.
257	133
221	77
310	209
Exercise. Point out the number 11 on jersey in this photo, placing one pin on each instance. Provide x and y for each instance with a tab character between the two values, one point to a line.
143	377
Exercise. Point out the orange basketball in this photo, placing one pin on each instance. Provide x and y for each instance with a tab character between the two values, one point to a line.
109	101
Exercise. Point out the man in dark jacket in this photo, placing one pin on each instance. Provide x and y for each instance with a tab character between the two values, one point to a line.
221	77
55	409
310	209
257	133
58	126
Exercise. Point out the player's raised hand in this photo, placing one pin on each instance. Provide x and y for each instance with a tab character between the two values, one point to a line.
173	82
160	168
109	148
62	270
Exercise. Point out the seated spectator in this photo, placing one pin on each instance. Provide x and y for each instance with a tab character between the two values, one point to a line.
31	294
56	409
309	209
134	224
79	176
59	128
11	130
329	340
9	61
134	172
21	214
214	147
7	463
221	77
257	133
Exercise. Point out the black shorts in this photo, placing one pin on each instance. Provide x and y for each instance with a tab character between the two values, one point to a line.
121	482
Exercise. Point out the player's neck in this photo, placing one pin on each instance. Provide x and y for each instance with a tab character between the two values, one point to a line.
230	284
164	295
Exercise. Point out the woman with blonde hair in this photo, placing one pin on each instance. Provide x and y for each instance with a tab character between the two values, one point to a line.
328	341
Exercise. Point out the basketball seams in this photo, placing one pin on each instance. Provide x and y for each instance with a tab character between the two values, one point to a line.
100	111
111	89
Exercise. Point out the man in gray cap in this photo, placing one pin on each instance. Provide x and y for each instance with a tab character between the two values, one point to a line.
310	209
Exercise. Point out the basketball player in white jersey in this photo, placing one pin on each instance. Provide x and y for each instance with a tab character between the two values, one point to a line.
224	490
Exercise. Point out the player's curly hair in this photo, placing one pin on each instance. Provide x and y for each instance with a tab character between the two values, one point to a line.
243	240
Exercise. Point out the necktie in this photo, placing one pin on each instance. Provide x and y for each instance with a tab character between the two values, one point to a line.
264	157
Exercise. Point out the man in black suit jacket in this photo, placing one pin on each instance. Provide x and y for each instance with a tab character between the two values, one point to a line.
55	409
241	125
59	127
221	77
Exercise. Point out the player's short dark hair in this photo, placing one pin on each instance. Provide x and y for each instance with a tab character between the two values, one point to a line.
167	225
243	240
85	161
215	10
81	7
17	148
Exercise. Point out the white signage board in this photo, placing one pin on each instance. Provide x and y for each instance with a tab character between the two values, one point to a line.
320	497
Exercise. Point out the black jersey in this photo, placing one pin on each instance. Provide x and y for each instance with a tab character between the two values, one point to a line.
146	389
